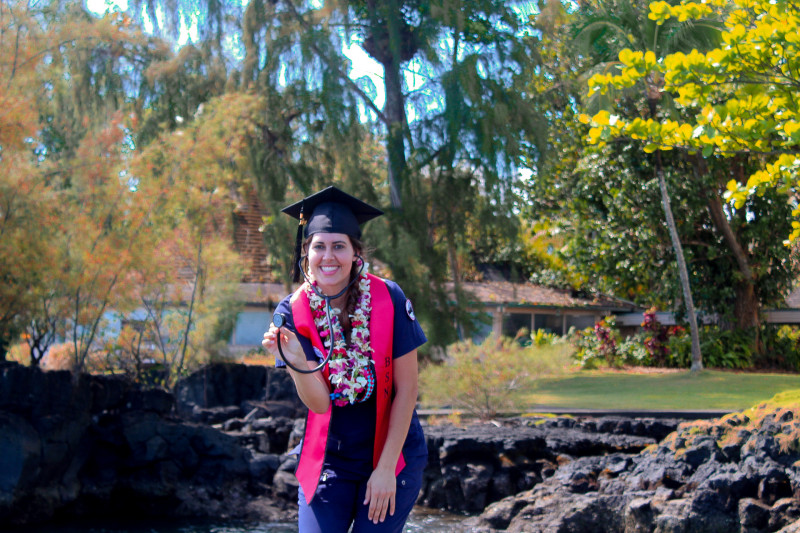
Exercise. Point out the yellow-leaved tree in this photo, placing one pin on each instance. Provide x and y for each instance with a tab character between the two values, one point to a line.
736	109
743	95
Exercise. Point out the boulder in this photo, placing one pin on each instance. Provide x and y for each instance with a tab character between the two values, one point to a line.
100	446
731	474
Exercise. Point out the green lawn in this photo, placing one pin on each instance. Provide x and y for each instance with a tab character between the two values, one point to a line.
709	390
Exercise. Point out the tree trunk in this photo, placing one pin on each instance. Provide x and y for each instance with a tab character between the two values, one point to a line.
394	110
746	306
683	272
390	41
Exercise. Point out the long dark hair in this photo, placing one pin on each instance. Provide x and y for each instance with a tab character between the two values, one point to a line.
353	292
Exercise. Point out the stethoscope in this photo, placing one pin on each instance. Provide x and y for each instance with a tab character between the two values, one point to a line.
279	320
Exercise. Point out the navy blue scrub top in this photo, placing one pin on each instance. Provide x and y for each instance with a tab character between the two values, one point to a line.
352	430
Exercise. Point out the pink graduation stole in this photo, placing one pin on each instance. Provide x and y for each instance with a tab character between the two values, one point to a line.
381	326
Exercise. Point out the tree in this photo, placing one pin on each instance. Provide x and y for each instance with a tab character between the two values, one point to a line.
737	114
456	136
81	220
626	20
189	293
42	46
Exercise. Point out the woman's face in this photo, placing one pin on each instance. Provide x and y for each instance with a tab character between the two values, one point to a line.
330	259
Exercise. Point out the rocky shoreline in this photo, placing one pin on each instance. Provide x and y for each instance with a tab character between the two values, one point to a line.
91	446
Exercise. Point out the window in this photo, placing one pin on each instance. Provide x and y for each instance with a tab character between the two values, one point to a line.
549	323
513	322
580	322
250	327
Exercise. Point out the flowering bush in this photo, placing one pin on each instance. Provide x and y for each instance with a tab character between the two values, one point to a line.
656	338
598	345
603	344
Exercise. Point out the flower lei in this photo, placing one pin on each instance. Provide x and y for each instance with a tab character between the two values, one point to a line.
350	373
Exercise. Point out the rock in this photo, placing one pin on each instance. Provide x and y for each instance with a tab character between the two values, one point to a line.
89	446
227	384
156	401
753	515
774	485
214	415
784	512
639	515
274	434
794	527
468	468
263	467
98	446
20	458
687	483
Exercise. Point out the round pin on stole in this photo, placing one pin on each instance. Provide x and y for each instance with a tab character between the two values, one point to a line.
410	310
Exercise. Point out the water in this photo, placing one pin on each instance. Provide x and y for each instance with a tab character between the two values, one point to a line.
421	519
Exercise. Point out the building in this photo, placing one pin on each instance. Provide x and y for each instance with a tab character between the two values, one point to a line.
505	307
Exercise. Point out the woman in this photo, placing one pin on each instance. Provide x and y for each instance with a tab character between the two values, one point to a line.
363	451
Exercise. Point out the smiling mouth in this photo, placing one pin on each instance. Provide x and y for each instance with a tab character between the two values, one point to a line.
329	269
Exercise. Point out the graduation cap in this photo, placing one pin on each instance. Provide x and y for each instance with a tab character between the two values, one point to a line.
328	211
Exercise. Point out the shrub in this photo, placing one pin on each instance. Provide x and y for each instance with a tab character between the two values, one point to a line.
633	350
598	345
60	357
483	379
604	344
781	348
20	353
724	348
541	337
656	338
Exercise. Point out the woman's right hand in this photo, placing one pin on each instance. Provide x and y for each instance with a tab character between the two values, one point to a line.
291	347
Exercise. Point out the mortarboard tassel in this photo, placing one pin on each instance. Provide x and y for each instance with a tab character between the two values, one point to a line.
298	245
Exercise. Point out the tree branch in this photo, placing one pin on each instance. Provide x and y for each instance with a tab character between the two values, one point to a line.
353	85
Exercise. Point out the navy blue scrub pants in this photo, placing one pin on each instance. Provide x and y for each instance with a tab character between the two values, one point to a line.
339	502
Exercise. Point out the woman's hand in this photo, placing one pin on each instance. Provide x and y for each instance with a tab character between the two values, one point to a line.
291	347
380	495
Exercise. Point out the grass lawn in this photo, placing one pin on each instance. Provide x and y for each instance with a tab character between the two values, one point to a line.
679	390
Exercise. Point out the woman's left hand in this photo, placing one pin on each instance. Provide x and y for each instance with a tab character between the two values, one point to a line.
380	495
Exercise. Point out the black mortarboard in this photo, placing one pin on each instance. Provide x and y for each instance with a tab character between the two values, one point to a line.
328	211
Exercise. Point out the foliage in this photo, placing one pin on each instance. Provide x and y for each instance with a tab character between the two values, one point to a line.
541	337
598	345
782	348
484	379
90	222
448	132
732	348
61	137
716	121
19	353
652	345
604	205
741	96
722	348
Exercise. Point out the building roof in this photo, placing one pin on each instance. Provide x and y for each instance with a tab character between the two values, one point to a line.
489	293
506	293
